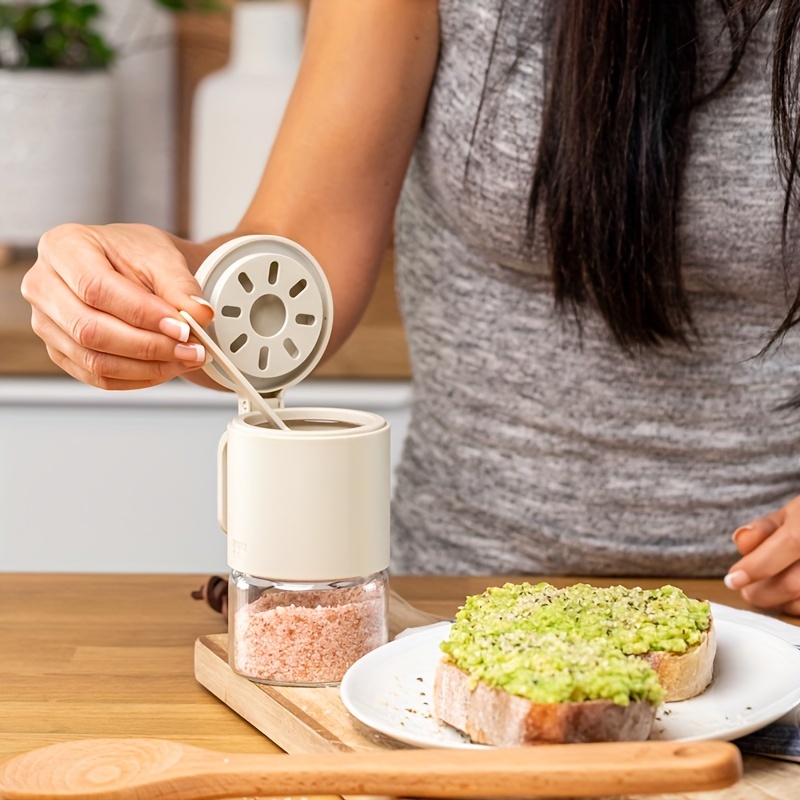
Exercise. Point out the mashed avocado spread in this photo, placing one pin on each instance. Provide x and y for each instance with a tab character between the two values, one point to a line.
553	645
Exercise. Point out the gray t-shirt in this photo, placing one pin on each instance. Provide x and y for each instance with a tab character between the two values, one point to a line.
531	449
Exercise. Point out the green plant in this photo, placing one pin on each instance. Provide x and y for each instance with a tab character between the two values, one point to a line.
62	34
59	35
192	5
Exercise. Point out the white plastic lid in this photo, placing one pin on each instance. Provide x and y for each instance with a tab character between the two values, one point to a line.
273	310
308	505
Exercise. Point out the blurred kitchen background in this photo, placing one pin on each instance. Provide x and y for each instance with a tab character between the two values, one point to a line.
172	133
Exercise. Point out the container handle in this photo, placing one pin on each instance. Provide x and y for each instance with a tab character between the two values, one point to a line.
222	482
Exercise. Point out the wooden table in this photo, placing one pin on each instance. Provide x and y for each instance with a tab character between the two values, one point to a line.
111	655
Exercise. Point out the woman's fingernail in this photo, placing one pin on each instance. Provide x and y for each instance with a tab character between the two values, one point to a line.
190	352
740	531
201	300
736	579
174	328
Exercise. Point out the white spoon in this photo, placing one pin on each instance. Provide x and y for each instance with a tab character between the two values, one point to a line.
244	386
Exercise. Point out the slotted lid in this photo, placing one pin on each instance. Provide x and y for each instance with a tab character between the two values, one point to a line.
272	310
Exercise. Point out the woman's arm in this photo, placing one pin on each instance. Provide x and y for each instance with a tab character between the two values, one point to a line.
105	298
337	165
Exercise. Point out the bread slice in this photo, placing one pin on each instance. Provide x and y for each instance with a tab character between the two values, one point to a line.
494	716
685	675
535	664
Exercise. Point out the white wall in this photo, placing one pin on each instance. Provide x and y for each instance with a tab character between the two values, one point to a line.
145	89
94	481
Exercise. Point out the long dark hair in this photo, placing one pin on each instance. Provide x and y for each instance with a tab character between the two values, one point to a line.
622	80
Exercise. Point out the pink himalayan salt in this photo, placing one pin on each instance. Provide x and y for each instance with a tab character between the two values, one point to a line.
312	643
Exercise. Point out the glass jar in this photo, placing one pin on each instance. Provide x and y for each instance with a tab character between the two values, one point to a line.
291	633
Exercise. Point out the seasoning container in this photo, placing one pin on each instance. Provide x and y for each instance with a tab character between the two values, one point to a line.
306	510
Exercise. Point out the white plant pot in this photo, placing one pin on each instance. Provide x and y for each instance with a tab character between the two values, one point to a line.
56	149
237	112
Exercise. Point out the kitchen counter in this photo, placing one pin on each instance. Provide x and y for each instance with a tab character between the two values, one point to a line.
377	348
111	655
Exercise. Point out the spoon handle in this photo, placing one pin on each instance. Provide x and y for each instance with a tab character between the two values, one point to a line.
247	388
586	770
152	769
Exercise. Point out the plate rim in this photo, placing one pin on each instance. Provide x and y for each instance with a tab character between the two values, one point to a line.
771	712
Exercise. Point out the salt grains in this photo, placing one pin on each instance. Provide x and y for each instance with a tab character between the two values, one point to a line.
308	637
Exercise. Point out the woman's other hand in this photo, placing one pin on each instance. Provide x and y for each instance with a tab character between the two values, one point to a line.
768	575
105	302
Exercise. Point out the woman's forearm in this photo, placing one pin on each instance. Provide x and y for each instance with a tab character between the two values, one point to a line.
337	166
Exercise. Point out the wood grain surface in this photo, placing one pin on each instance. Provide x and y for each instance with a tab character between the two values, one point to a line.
112	655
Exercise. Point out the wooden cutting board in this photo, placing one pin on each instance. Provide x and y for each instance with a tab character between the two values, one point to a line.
298	719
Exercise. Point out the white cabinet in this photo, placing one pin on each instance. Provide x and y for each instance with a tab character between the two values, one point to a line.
94	481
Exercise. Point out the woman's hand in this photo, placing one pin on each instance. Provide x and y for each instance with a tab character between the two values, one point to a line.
106	299
769	574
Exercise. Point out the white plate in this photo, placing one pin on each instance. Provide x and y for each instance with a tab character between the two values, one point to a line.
756	680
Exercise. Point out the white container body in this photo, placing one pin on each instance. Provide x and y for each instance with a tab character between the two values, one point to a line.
237	112
56	151
306	505
126	482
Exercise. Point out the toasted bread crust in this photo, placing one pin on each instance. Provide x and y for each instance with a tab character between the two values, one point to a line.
685	675
493	716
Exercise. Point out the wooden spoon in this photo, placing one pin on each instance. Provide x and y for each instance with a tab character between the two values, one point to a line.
146	769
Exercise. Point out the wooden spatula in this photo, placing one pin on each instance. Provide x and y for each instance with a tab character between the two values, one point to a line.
146	769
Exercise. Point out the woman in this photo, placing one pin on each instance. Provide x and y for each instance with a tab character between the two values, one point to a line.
589	254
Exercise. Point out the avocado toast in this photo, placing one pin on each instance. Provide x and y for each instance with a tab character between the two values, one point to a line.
526	664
